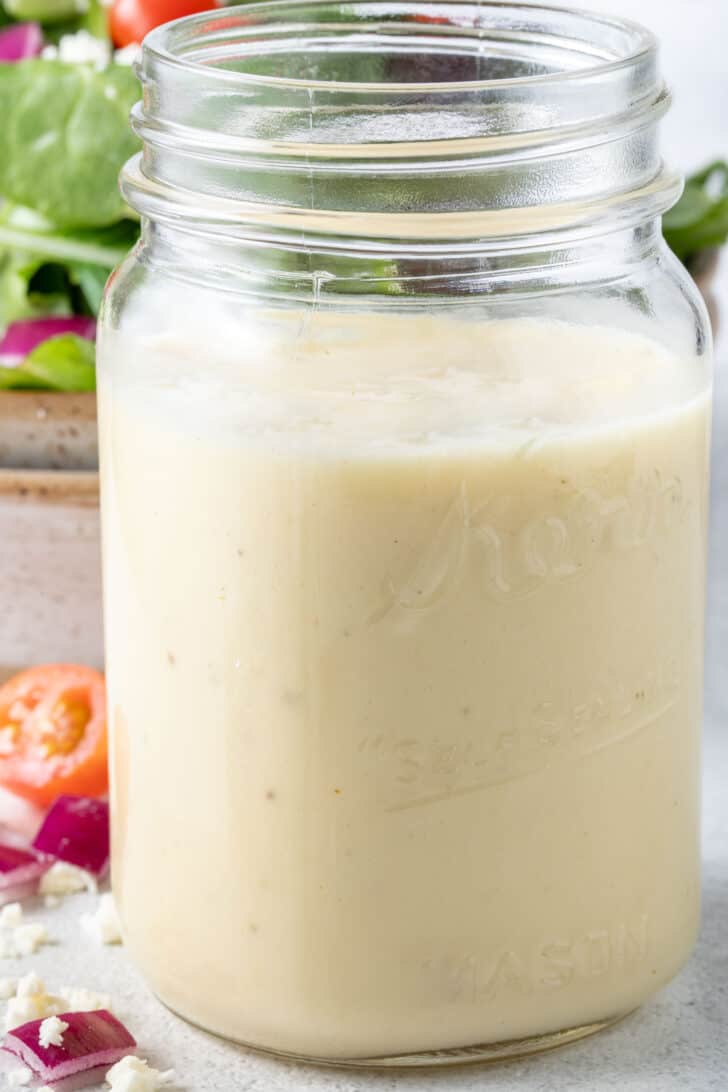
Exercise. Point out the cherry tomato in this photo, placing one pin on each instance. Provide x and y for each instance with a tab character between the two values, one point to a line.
53	733
131	20
438	20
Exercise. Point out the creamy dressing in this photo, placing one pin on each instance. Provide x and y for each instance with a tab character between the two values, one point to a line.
404	631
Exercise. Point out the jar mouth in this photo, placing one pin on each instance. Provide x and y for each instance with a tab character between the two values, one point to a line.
599	44
325	113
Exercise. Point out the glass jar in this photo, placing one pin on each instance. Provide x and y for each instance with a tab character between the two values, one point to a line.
404	426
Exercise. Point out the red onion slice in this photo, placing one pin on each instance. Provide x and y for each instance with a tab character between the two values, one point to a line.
24	336
20	873
76	830
20	41
93	1041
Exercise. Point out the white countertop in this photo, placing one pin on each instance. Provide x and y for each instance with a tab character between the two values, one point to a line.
679	1040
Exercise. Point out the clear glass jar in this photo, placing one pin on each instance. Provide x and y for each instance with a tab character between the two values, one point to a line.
404	426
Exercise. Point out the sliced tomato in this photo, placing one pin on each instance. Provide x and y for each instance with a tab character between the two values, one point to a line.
438	20
131	20
53	733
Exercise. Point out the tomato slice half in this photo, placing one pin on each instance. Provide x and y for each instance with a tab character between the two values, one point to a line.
53	733
131	20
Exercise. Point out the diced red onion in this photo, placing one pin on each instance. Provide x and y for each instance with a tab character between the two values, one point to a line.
20	872
20	820
24	336
87	1078
76	830
93	1041
20	41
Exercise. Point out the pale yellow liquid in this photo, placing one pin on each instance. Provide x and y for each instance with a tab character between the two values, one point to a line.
405	653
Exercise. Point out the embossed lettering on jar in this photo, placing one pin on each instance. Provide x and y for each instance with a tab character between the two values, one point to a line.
404	428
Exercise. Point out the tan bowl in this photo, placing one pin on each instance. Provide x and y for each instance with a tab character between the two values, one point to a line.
42	429
50	569
50	557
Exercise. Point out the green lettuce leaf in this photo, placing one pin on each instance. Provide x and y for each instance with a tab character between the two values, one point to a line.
62	363
64	138
43	11
700	218
22	229
46	271
31	289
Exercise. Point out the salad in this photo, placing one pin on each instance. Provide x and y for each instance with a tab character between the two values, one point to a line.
66	89
699	221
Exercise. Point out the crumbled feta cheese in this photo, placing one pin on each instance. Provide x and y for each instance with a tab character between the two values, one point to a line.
8	986
19	938
133	1074
23	1009
65	879
80	48
31	1002
130	54
18	1077
11	915
103	925
51	1031
78	999
30	986
30	937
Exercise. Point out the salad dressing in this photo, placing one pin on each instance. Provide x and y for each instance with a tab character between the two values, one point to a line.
394	608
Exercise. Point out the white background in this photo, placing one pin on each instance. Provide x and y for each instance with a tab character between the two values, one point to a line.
694	57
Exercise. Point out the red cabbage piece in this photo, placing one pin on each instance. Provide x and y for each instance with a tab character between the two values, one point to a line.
76	830
93	1042
25	335
20	41
20	872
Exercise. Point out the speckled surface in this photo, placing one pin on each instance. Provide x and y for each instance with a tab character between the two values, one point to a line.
679	1041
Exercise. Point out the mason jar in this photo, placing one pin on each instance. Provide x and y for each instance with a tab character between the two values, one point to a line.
404	439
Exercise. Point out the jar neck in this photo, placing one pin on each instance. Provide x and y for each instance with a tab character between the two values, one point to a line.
401	122
302	271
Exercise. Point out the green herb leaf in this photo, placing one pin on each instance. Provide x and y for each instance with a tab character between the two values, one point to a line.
44	11
62	363
20	229
64	138
29	290
94	19
700	218
91	281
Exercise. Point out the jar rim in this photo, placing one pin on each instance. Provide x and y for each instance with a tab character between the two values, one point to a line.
170	42
567	129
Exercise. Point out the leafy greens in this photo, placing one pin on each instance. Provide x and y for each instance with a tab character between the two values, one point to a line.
61	363
700	218
64	137
63	225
